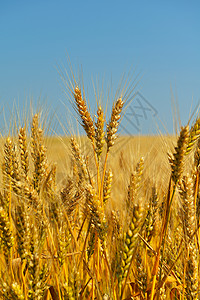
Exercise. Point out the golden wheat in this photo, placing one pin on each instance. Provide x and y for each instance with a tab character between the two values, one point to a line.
111	229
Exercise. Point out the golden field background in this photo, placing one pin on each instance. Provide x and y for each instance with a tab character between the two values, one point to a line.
123	159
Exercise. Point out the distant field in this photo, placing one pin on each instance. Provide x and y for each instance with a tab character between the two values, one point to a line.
123	158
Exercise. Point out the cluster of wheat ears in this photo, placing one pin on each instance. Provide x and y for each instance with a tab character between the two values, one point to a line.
66	244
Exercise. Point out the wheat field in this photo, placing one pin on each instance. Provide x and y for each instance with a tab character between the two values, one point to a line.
99	216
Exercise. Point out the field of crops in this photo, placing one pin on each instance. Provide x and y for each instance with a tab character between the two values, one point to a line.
100	216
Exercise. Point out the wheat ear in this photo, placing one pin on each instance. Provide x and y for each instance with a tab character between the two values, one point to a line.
107	186
96	212
99	132
189	226
23	151
193	136
150	221
188	208
7	238
38	151
83	112
135	179
23	228
141	274
80	161
11	292
112	126
177	160
197	155
130	240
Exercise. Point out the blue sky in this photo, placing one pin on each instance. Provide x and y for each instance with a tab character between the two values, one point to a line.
161	39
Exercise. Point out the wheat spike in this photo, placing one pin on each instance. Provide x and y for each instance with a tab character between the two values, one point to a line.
112	126
63	237
80	161
82	110
192	274
135	179
16	176
7	238
193	136
99	132
96	212
10	167
11	292
38	154
4	197
71	196
8	163
189	226
141	275
49	185
178	157
16	292
197	155
23	151
116	225
23	227
130	238
31	195
150	221
107	186
188	206
91	243
37	271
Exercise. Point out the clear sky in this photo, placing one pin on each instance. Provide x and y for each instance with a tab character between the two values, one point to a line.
161	39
